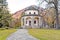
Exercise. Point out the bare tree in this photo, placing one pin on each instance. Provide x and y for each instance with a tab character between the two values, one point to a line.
57	19
55	2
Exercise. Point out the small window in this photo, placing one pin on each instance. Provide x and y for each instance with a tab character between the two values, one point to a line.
34	12
29	12
23	21
26	22
34	22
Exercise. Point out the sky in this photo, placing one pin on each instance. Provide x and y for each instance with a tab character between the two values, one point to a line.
16	5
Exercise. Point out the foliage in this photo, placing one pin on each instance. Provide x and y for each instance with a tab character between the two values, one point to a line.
50	4
5	17
50	16
15	23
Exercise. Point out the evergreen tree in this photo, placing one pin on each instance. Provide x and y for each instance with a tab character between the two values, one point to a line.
5	17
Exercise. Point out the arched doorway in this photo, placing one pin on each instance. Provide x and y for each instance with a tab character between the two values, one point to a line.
29	23
36	20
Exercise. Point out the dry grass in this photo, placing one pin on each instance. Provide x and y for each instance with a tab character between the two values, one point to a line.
5	33
45	34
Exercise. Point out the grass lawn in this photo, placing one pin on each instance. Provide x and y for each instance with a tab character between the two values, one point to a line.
5	33
45	34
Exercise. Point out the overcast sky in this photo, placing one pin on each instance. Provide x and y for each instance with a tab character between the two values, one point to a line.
15	5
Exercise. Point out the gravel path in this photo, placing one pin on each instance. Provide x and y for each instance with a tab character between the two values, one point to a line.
21	34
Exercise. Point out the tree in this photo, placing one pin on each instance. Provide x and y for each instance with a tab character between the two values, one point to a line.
50	17
5	17
55	3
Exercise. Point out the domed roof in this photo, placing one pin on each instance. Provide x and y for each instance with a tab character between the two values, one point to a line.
33	7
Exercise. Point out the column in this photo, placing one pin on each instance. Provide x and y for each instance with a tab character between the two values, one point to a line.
40	22
24	22
32	23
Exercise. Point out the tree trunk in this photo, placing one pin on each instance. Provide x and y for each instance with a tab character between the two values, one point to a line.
57	17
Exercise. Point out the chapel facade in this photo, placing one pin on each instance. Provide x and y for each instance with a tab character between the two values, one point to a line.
31	18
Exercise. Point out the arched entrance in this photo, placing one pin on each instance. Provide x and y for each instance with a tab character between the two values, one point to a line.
29	23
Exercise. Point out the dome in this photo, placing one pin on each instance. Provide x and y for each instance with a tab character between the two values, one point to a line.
33	7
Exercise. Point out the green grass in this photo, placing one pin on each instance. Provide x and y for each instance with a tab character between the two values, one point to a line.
45	34
5	33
